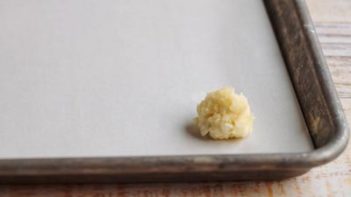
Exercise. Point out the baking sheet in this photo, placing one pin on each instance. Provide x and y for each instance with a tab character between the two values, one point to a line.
86	78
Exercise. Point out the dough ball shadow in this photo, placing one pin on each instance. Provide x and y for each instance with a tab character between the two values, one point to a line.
192	130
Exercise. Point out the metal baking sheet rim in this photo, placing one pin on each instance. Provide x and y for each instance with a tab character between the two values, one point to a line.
209	168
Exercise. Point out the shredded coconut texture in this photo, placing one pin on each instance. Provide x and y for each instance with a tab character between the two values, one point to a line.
223	114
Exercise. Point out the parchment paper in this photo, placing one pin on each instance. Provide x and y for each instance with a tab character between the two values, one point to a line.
86	78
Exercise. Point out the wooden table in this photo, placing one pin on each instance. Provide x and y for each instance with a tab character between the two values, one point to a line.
333	24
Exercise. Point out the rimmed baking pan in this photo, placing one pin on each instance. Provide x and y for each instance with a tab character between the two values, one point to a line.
106	91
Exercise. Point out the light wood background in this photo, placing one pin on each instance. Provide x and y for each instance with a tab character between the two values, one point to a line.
333	24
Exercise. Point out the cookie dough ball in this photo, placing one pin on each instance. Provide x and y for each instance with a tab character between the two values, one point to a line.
223	114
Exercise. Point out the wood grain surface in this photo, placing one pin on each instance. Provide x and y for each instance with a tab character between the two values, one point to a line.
333	24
